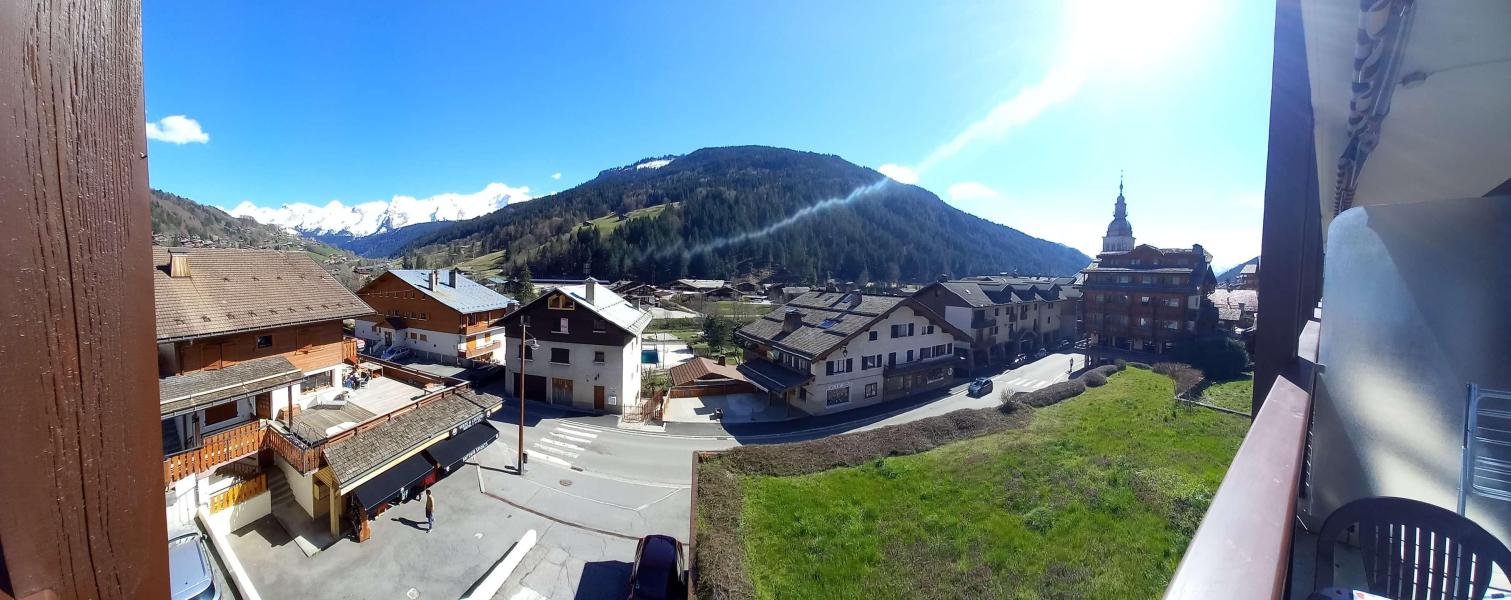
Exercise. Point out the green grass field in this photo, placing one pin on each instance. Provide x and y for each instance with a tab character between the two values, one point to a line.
1236	394
1096	498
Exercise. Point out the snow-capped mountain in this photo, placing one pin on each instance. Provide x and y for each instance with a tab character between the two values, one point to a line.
379	216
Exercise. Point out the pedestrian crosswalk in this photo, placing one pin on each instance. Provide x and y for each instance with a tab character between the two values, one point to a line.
1031	383
564	444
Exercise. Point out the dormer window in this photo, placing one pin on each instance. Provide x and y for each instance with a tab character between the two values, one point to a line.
560	302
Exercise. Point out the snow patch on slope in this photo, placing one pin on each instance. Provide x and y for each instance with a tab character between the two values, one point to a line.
378	216
654	164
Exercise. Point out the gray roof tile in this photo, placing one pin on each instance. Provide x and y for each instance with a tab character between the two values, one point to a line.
467	296
230	290
203	388
354	457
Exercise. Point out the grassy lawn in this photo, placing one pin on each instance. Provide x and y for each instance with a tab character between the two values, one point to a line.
1097	498
740	312
1235	394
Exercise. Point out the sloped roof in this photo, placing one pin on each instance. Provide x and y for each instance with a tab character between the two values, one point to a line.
702	284
771	377
354	457
612	307
998	290
230	290
828	320
699	367
204	388
467	296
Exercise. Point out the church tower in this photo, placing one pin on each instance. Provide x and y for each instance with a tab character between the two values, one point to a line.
1119	236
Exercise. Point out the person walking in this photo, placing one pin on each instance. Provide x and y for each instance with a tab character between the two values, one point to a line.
429	511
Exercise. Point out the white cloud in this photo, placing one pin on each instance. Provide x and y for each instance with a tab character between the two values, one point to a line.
177	129
898	173
556	176
971	190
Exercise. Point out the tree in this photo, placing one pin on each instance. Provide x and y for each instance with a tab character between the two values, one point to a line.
524	286
1218	355
717	331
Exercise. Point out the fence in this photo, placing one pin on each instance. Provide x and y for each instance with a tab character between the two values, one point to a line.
238	493
214	449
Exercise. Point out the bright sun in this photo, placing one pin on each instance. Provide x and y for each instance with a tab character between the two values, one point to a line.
1131	34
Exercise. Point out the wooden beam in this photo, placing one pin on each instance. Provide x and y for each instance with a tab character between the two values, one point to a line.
82	475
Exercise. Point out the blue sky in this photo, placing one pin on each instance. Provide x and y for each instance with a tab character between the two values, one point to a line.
319	101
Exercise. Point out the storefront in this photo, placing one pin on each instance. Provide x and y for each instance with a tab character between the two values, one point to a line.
402	482
449	455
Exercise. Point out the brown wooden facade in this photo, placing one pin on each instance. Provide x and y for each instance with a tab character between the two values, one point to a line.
1146	299
395	299
310	347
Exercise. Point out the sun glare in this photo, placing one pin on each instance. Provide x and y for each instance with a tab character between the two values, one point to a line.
1128	35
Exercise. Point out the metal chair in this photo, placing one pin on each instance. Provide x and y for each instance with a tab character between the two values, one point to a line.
1413	549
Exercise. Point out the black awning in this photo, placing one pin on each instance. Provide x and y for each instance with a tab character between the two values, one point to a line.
447	454
388	483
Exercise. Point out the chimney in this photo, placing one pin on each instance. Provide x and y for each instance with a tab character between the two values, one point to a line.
178	262
1240	307
723	361
451	277
791	320
591	285
434	275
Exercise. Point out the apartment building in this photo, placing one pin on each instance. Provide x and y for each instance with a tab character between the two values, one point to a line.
581	348
436	314
1005	316
243	336
826	352
1139	299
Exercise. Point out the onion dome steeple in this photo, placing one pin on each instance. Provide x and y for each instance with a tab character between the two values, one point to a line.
1119	236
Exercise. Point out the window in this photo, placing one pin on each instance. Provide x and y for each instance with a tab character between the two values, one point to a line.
891	359
910	329
1172	325
870	362
524	320
414	336
1143	321
1124	279
1101	297
910	356
870	390
424	316
423	338
1144	300
928	330
925	353
936	375
1147	280
598	356
561	356
1173	302
838	395
221	413
1135	261
599	326
560	302
942	350
561	325
529	353
318	381
264	341
802	394
873	336
832	367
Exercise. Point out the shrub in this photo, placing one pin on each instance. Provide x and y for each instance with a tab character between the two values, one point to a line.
1139	365
1218	355
1107	370
1052	394
1185	376
1120	364
1040	519
1094	379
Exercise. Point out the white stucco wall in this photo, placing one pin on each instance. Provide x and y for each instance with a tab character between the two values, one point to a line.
243	514
861	346
619	374
303	486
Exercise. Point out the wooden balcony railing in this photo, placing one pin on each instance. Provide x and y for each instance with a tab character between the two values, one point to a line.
349	350
215	449
1242	549
484	349
299	455
239	493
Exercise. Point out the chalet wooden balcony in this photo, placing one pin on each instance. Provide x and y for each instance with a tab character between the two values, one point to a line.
303	457
349	350
214	449
483	349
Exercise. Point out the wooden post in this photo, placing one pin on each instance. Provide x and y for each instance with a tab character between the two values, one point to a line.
82	479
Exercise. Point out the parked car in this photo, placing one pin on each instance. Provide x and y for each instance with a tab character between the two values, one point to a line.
980	387
1040	353
659	571
190	576
1020	359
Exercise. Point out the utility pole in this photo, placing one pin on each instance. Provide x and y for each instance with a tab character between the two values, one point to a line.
522	334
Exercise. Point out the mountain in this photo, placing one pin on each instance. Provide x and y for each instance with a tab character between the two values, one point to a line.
176	220
383	243
342	224
1231	275
725	212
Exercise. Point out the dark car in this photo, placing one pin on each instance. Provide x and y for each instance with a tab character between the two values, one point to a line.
658	573
190	576
980	387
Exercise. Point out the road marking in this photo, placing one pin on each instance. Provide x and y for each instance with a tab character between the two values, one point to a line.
576	429
556	451
562	444
556	461
571	437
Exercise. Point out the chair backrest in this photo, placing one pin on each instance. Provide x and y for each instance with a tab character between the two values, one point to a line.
1413	550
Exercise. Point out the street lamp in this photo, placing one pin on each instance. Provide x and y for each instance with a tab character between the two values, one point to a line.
524	338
